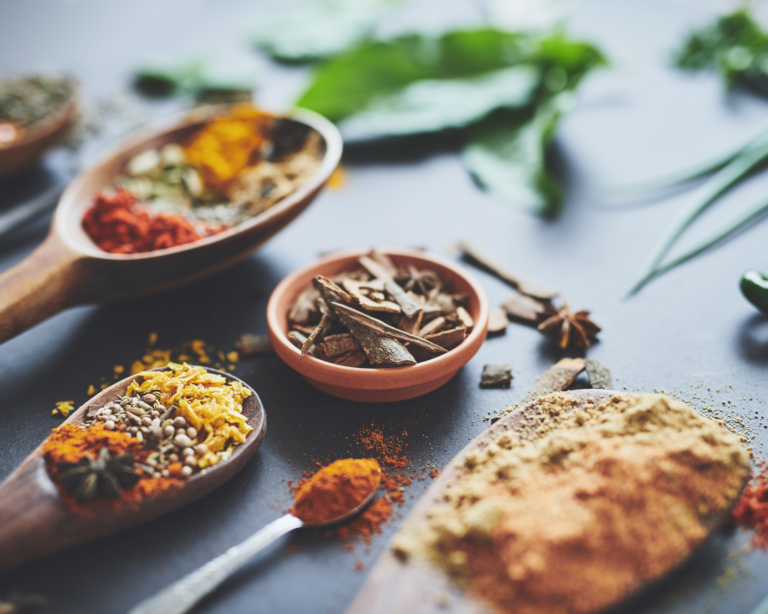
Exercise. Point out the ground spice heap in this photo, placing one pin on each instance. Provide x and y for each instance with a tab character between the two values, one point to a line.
336	490
584	504
751	512
117	224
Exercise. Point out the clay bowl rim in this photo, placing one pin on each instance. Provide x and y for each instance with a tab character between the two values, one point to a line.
70	207
380	378
64	115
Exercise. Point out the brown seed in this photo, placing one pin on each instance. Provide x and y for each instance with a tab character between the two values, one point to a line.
109	425
201	449
179	421
174	458
187	452
149	398
192	432
146	421
168	431
186	471
190	461
182	440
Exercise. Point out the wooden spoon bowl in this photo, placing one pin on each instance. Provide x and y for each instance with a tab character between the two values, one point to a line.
36	521
69	269
416	587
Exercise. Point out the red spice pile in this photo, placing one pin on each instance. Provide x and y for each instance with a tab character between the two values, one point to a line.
119	225
396	473
751	512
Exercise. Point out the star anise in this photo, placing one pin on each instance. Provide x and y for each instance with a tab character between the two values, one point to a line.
571	328
421	281
105	476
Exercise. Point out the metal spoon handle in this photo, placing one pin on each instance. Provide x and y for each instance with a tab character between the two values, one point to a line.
182	595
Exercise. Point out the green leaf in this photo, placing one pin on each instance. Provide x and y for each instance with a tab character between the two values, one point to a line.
750	157
505	154
438	104
348	82
318	29
731	227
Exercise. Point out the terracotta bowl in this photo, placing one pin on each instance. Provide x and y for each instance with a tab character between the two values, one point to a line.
377	385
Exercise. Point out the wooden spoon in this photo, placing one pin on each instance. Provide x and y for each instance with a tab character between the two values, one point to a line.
69	269
22	153
35	521
414	587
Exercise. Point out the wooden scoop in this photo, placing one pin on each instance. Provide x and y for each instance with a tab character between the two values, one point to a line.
415	587
69	269
35	521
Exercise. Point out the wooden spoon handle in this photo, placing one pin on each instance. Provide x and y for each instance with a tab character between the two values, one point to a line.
40	286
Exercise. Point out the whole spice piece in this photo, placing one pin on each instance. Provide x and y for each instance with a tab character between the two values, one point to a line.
525	309
525	285
336	490
754	287
599	375
119	225
497	322
105	476
581	504
496	376
570	328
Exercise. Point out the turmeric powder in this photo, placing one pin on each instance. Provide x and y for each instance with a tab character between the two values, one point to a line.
228	145
336	490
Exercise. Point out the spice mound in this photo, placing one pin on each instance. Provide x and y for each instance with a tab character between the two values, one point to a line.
231	169
28	100
336	490
378	315
168	425
583	505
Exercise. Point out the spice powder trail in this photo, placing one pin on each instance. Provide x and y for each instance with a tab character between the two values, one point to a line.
593	501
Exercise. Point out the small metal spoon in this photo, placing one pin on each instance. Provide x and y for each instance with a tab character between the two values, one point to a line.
181	596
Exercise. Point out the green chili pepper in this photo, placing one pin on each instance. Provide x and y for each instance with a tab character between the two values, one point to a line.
754	287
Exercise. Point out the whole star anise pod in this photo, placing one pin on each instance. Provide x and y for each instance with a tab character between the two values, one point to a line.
421	281
105	476
570	328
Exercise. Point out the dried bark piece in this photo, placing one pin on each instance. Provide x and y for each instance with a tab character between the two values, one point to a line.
599	375
253	344
303	307
524	309
336	345
380	351
376	269
449	339
497	322
408	304
465	318
354	359
304	330
297	338
311	339
431	328
526	285
383	329
411	325
327	287
384	260
496	376
355	288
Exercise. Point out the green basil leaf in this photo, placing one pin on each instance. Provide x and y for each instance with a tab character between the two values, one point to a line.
505	154
438	104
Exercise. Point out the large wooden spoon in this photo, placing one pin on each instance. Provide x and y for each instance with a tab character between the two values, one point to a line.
35	521
69	269
414	587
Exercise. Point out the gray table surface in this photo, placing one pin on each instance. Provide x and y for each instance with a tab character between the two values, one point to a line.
690	333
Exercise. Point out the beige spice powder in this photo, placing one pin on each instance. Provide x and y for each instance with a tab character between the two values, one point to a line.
584	505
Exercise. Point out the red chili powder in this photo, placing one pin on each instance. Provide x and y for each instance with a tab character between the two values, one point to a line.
118	224
751	512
